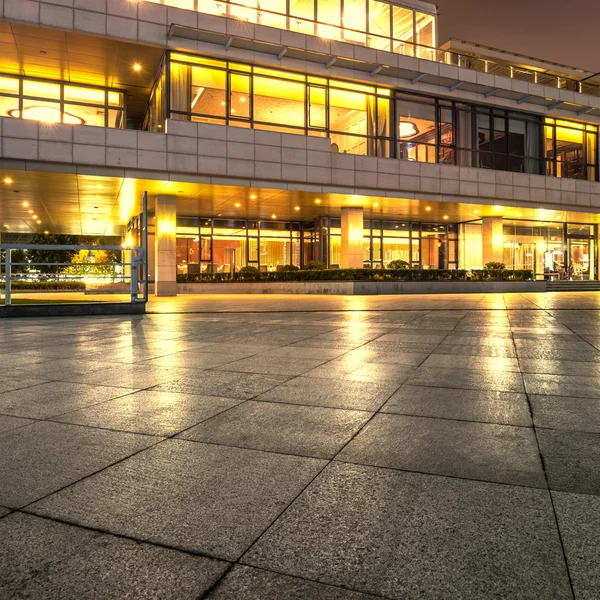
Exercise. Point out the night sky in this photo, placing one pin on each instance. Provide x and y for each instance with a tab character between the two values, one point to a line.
561	31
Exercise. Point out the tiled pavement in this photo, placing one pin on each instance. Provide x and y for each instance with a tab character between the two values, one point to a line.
342	449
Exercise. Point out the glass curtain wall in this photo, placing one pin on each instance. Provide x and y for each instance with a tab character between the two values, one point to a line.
421	245
373	23
52	102
571	149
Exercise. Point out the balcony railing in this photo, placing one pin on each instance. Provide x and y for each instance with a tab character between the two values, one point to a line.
252	11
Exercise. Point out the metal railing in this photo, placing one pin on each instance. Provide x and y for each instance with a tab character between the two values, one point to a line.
137	288
260	15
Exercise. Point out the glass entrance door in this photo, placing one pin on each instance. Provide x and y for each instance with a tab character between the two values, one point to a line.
581	259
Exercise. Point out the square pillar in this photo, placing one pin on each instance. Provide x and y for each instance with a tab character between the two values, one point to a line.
352	239
165	246
493	240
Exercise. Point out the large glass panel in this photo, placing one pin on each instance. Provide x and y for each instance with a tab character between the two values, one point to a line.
355	21
329	17
425	36
317	107
403	30
244	10
181	91
416	130
396	249
471	246
570	152
9	85
379	25
208	93
45	112
302	16
349	112
581	260
279	101
85	115
273	13
41	89
239	96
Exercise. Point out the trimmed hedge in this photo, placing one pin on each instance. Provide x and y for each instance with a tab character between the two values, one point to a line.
45	286
362	275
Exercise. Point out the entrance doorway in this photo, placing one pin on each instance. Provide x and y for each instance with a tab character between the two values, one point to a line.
581	259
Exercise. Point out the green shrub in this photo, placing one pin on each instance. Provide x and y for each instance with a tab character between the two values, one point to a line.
248	273
495	266
397	265
44	286
287	268
315	265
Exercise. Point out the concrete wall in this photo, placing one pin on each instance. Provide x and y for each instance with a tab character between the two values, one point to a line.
364	288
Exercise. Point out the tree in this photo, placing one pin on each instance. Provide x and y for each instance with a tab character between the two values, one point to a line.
51	256
95	263
17	256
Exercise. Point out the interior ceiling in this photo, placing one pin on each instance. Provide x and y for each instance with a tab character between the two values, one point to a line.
52	54
91	205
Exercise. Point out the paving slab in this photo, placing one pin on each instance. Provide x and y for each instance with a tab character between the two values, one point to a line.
46	559
41	458
7	422
489	452
198	497
333	393
559	412
466	379
578	518
507	408
287	428
422	536
571	460
56	397
562	385
247	583
150	412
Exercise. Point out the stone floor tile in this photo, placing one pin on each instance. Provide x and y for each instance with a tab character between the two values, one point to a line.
41	458
558	412
211	499
560	367
46	559
8	383
475	380
474	363
7	423
499	453
506	408
579	523
409	536
56	397
333	393
489	350
223	384
270	365
571	460
4	511
562	385
131	376
287	428
248	583
150	412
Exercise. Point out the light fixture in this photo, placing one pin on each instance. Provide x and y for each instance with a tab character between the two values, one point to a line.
38	222
273	216
252	196
296	208
519	215
376	205
99	186
46	114
475	212
25	204
30	212
428	208
137	67
407	129
34	217
497	208
237	204
243	99
446	217
318	201
46	232
7	180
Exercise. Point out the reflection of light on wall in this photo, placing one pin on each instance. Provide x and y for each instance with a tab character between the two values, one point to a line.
127	200
166	227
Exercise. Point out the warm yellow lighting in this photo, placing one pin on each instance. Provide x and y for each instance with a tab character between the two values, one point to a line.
376	205
242	99
30	212
25	204
497	208
428	208
34	217
407	129
7	180
99	186
252	196
137	67
128	243
166	227
446	217
273	216
519	215
318	201
46	114
296	208
475	212
46	232
237	204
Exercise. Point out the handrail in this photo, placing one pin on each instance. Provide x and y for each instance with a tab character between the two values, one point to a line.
138	257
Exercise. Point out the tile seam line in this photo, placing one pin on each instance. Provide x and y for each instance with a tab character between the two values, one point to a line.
545	472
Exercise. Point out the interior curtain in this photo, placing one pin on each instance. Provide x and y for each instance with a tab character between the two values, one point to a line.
383	127
371	125
464	137
181	90
532	148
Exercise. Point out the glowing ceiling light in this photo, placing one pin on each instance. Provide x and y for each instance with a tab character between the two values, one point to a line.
46	232
428	208
137	67
7	180
25	204
497	208
296	208
46	114
376	205
318	201
237	204
273	216
407	129
38	222
252	196
445	216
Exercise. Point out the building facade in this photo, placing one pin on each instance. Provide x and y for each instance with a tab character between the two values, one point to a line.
280	132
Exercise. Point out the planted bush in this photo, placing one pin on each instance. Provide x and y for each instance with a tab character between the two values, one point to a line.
45	286
397	265
315	265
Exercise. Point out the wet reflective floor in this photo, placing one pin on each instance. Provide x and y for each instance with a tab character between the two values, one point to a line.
299	448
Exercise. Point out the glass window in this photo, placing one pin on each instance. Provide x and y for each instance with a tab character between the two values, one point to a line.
244	10
348	111
208	92
379	25
317	108
355	21
239	96
41	89
425	36
279	101
303	16
416	130
9	85
329	17
275	16
403	30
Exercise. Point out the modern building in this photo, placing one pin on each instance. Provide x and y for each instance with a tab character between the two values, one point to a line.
283	131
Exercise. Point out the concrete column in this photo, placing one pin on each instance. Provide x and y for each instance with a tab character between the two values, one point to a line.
352	238
493	240
165	246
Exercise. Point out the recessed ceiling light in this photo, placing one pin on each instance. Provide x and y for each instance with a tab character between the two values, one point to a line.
252	196
475	212
25	204
237	204
99	186
296	208
38	222
376	205
7	180
34	217
273	216
497	208
318	201
137	67
428	208
445	216
46	232
30	211
519	215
